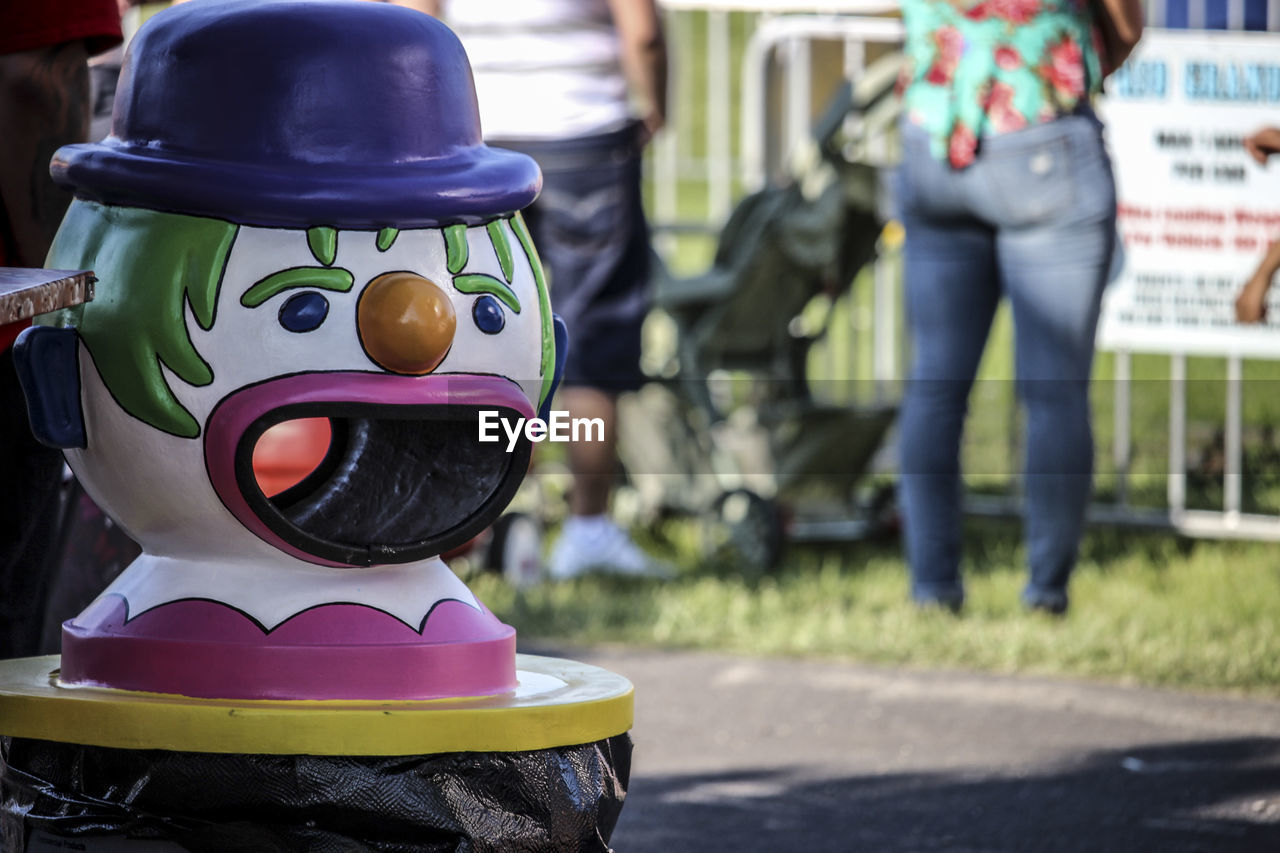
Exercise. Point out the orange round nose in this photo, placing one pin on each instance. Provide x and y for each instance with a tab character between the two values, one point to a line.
406	323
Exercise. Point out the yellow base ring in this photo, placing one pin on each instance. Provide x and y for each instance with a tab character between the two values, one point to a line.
558	703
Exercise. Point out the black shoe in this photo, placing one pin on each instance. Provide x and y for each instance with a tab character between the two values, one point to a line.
1051	601
926	604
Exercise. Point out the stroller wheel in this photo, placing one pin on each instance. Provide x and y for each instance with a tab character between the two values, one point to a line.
744	529
515	551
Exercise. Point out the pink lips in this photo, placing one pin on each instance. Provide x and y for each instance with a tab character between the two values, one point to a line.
235	413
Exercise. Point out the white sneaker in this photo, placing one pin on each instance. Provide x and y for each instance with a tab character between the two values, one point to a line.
595	543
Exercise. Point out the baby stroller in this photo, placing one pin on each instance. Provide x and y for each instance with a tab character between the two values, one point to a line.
730	429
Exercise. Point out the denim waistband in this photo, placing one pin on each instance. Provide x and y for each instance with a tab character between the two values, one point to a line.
1082	120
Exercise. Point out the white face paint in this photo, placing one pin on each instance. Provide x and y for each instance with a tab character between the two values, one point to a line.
249	345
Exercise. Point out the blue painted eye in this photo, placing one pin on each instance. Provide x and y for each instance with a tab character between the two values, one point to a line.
488	315
304	312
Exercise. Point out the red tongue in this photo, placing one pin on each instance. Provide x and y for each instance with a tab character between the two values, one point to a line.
288	452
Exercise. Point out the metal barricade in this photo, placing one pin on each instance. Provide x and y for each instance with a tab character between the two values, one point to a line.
772	121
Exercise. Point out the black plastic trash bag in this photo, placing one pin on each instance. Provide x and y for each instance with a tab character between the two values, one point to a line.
562	799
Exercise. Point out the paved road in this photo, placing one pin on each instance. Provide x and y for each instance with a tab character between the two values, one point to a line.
746	755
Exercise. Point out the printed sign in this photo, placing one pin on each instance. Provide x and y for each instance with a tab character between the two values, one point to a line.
1196	211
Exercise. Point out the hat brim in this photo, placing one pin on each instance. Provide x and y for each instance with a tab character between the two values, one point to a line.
470	185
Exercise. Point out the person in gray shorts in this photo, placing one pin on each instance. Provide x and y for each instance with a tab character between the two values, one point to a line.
556	79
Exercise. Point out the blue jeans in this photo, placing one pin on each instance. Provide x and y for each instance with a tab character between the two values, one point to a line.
1033	219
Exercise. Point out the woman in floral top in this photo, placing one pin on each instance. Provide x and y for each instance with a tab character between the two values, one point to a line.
994	66
1005	190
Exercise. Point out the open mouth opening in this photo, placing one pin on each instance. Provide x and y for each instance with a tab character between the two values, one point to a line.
396	483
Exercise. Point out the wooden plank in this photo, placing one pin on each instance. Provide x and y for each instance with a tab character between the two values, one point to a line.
24	293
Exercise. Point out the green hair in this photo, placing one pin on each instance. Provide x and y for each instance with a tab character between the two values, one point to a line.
457	252
544	305
149	266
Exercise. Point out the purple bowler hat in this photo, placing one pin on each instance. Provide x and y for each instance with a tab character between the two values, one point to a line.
295	113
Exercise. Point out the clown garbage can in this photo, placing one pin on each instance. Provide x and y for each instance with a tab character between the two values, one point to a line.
295	217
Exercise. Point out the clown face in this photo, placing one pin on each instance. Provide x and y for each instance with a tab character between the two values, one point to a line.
205	334
398	338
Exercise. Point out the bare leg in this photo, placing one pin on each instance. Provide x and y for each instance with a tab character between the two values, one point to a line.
590	539
594	464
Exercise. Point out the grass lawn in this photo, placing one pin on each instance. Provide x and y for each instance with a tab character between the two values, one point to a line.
1146	608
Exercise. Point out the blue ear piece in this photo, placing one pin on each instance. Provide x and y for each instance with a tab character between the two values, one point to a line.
562	350
47	362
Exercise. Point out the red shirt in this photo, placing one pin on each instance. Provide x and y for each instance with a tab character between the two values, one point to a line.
29	24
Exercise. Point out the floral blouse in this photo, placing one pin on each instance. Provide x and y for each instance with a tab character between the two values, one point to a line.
981	67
